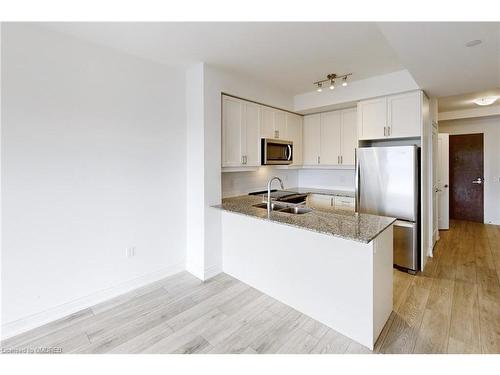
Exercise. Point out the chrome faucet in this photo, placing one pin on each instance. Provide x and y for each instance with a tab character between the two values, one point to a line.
269	193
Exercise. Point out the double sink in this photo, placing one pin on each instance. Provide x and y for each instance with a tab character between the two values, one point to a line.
285	208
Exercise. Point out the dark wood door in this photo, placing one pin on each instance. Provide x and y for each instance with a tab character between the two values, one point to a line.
466	177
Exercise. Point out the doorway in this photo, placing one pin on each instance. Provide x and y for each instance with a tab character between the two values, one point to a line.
466	177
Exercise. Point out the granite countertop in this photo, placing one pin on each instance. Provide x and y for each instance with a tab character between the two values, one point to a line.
349	225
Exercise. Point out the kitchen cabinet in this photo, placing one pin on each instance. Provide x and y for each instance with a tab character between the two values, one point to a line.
330	138
321	201
344	203
294	132
349	137
330	202
311	139
273	124
404	115
394	116
372	118
240	133
251	135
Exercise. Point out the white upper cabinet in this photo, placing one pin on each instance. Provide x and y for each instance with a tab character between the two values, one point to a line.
349	138
372	118
251	143
330	138
273	124
395	116
404	115
267	122
232	132
311	140
294	130
240	133
280	130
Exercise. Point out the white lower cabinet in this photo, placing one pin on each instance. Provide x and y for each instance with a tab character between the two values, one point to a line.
344	203
320	201
330	138
330	202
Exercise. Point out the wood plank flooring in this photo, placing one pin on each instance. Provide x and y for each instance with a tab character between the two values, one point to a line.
452	307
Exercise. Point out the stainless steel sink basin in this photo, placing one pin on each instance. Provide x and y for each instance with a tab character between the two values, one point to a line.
287	209
296	210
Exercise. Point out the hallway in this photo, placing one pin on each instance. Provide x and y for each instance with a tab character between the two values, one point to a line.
454	306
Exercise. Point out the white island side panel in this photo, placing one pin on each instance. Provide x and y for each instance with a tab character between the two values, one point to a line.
327	278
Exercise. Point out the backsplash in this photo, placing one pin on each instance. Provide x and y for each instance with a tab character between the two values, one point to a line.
335	179
240	183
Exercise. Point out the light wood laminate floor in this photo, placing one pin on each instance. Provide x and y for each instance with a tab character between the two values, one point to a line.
452	307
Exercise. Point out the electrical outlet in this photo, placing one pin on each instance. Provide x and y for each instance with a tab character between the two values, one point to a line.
130	252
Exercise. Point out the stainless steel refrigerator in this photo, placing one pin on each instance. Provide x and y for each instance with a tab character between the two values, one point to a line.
387	184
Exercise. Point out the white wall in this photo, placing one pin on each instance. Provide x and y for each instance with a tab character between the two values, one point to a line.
208	223
490	126
93	162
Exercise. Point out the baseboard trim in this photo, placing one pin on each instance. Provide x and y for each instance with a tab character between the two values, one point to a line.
212	271
19	326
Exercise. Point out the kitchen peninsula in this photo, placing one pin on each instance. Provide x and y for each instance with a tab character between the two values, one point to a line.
333	265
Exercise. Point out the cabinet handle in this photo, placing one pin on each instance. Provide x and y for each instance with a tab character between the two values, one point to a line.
385	131
389	131
318	159
245	159
331	202
341	161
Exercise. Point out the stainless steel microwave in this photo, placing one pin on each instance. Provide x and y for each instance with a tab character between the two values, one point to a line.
276	152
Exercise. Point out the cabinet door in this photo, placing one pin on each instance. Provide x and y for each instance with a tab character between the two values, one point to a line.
294	130
251	142
267	122
344	203
325	202
280	125
330	138
404	115
372	115
311	139
232	125
349	138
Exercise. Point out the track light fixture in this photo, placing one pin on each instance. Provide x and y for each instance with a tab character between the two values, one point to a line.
331	78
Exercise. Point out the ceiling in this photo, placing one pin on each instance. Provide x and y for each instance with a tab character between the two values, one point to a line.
292	55
465	101
436	56
287	55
